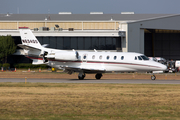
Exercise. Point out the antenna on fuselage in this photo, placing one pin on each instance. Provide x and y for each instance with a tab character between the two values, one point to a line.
95	50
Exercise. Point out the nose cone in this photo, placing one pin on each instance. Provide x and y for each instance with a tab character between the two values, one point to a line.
158	66
163	67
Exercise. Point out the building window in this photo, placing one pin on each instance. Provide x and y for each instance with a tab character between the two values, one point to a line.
67	43
74	43
80	43
95	42
45	40
102	43
53	42
109	43
87	45
60	41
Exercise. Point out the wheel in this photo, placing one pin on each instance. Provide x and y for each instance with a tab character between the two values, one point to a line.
98	76
153	77
84	75
81	77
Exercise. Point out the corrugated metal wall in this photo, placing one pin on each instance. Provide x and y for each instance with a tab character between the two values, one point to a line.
163	43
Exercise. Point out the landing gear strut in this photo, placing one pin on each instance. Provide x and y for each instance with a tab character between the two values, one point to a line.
153	77
98	76
81	76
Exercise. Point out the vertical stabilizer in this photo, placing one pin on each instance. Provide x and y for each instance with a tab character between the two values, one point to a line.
28	38
32	47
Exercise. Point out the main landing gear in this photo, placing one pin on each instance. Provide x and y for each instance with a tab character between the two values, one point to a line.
82	75
98	76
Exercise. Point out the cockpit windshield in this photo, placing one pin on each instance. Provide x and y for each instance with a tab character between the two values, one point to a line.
139	58
144	57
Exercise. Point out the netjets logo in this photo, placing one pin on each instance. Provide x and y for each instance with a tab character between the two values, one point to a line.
30	41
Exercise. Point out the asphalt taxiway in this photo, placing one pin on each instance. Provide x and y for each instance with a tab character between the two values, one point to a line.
90	81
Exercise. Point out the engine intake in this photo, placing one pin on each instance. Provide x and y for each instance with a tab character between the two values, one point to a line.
45	60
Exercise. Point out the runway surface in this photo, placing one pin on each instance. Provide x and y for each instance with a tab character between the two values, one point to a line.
90	81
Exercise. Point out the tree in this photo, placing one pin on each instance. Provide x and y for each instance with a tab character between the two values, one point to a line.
7	47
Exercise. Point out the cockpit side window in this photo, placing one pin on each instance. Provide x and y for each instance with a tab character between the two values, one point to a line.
135	58
144	57
139	58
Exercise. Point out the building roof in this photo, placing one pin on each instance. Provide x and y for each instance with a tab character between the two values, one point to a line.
78	17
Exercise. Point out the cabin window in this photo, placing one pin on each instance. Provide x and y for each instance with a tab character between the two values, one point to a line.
84	57
139	58
107	57
93	57
100	57
122	57
144	57
115	57
135	58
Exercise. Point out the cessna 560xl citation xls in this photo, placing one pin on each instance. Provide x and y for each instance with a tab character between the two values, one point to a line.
85	62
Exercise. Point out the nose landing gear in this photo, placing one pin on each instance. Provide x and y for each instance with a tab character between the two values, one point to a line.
153	77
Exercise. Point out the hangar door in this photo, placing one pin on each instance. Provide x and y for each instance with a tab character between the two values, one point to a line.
162	43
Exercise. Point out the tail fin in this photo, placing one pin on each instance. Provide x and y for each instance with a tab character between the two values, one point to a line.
32	47
28	39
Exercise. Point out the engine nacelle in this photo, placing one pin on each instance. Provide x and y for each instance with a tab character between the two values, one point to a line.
68	55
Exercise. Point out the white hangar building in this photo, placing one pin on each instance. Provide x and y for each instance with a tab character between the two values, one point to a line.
155	35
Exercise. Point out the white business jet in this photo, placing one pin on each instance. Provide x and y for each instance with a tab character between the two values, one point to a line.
85	62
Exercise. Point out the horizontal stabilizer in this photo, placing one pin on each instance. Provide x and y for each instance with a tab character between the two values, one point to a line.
27	47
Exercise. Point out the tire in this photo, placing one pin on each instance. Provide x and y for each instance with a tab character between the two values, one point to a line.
153	77
81	78
98	76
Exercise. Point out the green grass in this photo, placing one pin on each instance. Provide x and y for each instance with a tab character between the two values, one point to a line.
53	101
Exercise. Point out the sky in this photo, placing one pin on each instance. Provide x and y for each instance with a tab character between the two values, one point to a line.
87	6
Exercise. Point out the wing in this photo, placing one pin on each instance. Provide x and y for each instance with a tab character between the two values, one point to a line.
84	69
